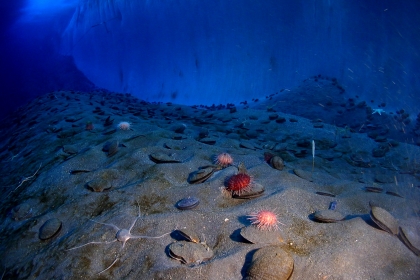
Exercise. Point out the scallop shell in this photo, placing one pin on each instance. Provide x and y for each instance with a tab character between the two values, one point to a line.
247	145
49	229
160	157
171	157
179	128
272	263
200	175
188	203
254	235
189	252
256	190
208	141
384	219
410	240
111	148
328	216
189	235
277	162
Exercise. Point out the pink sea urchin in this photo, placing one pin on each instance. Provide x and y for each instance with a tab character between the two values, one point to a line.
124	125
223	159
264	220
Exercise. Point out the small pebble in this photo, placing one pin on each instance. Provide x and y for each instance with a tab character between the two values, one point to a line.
333	205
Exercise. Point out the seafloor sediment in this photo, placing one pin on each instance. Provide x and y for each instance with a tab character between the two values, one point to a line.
70	176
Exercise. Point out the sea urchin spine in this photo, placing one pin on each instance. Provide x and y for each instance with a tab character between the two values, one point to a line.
264	220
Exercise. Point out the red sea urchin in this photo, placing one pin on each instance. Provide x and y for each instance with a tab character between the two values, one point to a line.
239	184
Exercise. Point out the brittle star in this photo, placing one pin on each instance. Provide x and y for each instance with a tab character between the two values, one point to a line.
26	179
122	235
379	111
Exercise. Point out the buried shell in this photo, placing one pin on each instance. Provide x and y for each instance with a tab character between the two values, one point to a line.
134	137
109	132
104	180
208	141
173	157
201	175
99	185
189	252
328	216
394	194
270	262
383	219
325	193
108	121
77	171
373	189
69	149
21	212
49	229
242	168
160	157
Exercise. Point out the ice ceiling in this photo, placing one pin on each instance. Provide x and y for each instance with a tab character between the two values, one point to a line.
193	52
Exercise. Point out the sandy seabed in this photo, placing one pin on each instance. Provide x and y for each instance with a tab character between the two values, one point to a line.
64	160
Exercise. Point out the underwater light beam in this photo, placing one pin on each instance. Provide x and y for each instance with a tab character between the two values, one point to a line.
40	9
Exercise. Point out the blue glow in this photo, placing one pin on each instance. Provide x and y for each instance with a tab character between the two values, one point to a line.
41	9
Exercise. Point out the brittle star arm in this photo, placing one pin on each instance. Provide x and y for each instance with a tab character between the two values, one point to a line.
149	237
134	222
116	259
106	224
28	178
93	242
138	216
